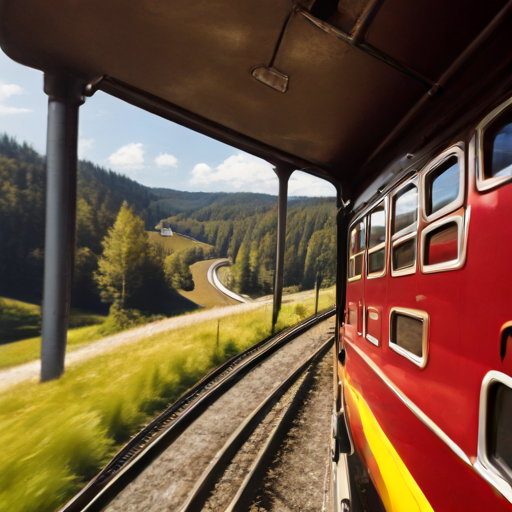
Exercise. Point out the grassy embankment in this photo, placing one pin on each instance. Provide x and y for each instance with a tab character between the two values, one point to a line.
55	436
20	326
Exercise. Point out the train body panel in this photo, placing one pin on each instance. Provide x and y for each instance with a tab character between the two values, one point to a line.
427	319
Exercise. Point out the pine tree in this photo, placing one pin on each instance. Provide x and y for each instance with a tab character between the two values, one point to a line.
177	273
125	249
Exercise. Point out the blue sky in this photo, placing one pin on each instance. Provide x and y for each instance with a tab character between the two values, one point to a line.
148	149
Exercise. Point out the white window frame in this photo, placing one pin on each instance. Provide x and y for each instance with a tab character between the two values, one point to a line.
404	234
353	257
483	463
431	167
461	218
383	245
484	184
417	314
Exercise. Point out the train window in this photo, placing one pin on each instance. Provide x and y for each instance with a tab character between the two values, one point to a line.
405	225
404	254
443	184
500	428
494	145
497	142
495	427
356	255
405	210
408	334
442	244
377	241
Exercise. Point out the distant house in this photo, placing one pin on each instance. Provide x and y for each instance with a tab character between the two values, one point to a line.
166	232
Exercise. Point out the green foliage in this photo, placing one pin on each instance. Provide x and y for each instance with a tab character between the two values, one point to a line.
177	273
244	227
125	249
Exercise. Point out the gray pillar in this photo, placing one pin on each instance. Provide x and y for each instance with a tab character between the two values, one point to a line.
65	97
283	173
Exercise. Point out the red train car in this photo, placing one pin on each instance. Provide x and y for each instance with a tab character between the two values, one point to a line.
425	359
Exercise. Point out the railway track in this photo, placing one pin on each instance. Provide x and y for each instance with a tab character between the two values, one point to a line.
163	431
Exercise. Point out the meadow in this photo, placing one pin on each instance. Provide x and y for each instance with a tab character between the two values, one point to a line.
57	435
20	328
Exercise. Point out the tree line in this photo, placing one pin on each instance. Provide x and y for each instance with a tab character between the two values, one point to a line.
243	227
240	226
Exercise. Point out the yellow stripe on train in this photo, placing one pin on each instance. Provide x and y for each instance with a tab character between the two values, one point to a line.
396	486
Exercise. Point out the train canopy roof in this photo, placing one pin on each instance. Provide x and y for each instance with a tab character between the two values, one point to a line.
318	84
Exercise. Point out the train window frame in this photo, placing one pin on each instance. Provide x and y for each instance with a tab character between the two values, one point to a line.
405	234
457	151
354	256
484	464
484	184
417	314
382	245
461	217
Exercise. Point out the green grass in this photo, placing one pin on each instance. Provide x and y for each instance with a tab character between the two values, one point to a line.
20	320
175	243
55	436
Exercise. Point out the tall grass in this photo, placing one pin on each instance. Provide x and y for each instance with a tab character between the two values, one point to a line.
55	436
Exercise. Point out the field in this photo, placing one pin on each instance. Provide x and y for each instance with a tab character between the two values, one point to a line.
55	436
20	328
204	294
175	243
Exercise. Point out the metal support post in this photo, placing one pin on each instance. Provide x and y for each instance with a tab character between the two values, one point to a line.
65	98
283	172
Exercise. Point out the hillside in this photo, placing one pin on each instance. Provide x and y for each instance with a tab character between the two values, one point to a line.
241	226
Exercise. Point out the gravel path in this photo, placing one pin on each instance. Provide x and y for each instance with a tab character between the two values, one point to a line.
31	371
300	477
165	484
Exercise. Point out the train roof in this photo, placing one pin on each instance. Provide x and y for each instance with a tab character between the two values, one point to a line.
336	87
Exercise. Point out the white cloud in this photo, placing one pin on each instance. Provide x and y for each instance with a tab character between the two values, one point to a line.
9	111
250	174
84	145
6	91
304	184
166	160
237	173
129	157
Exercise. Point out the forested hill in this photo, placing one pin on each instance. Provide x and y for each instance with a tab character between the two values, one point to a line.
234	223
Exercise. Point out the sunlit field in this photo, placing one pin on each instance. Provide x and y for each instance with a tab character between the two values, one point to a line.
56	436
176	243
20	325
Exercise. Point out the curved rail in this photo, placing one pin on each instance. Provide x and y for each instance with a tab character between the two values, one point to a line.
214	280
160	433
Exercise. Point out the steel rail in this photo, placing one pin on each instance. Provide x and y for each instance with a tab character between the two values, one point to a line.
161	432
204	486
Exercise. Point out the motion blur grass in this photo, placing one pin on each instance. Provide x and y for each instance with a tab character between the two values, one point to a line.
55	436
20	326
